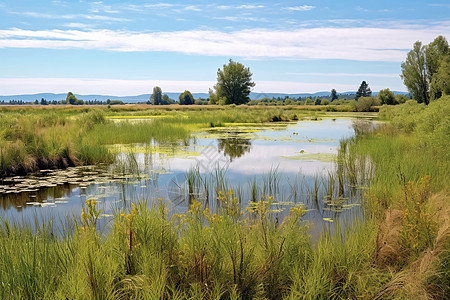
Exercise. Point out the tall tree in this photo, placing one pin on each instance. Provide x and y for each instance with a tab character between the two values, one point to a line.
333	95
435	52
234	83
156	97
363	91
414	73
186	98
71	99
440	83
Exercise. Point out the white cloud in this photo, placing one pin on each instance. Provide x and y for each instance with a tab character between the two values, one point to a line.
78	25
243	6
381	75
99	6
249	6
70	17
105	18
439	5
301	8
59	3
241	19
361	44
133	7
298	86
192	8
229	18
159	5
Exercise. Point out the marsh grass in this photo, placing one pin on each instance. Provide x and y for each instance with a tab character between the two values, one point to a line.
407	165
221	254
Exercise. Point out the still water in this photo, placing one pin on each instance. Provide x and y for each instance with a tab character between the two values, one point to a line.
295	163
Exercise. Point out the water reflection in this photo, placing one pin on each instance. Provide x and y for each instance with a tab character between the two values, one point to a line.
234	146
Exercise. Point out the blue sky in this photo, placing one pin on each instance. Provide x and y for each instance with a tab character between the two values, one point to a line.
127	47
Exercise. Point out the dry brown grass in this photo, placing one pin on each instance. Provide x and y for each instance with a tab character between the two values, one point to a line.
390	252
412	282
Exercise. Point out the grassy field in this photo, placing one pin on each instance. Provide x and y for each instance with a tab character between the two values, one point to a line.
399	251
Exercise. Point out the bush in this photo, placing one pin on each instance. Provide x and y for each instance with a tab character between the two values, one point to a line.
365	103
116	102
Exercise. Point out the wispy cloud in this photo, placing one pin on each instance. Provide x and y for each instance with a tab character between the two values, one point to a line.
70	16
105	18
192	8
133	7
243	6
439	5
241	19
359	8
362	44
301	8
249	6
380	75
59	3
159	5
99	6
78	25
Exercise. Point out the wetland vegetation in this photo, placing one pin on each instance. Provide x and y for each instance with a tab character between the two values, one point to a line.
384	207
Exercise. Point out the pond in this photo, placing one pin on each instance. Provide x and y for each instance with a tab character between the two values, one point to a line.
292	164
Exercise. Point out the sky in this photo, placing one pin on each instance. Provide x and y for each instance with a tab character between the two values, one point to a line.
128	47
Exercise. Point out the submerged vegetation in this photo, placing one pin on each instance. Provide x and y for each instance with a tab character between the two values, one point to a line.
399	249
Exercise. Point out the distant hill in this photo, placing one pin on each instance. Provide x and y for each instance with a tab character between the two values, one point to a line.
146	97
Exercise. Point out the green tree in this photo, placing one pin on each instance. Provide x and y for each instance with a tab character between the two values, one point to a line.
186	98
324	102
414	73
333	95
71	99
435	53
214	99
363	91
386	97
167	100
399	99
234	83
156	97
440	83
422	69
